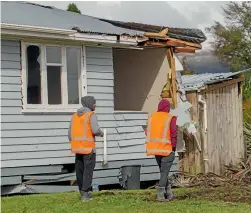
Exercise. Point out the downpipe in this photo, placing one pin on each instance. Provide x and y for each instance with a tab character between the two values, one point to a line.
204	111
105	156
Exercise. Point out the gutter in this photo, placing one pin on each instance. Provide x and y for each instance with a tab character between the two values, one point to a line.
29	28
204	110
25	31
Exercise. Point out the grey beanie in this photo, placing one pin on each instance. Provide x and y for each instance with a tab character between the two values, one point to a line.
88	101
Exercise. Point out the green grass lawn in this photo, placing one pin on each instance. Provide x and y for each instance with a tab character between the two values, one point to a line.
224	200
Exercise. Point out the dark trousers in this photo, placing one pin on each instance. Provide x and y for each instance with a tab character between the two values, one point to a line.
85	165
165	164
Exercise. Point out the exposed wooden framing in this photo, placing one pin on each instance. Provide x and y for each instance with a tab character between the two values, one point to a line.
161	34
186	43
171	60
164	32
175	43
224	84
184	50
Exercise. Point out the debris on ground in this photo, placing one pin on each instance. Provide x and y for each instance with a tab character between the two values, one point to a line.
234	175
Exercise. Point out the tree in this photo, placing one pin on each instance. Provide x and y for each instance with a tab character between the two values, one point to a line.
187	70
73	8
232	40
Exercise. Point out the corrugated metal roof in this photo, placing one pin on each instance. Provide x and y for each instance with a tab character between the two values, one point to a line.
185	34
195	82
24	13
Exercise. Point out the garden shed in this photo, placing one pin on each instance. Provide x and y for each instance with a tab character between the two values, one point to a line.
217	110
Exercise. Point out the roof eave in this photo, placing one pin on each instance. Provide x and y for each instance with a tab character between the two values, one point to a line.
12	30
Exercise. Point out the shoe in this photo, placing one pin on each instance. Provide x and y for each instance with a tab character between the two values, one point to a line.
85	196
161	194
169	194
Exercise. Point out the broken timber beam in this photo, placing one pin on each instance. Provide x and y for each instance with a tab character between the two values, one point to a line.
171	60
161	34
184	50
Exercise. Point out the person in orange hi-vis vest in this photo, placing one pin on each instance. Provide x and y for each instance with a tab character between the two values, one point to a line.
82	131
161	140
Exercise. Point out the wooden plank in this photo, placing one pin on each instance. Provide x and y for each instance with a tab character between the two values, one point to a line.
10	43
104	110
100	89
10	65
11	80
130	129
126	136
119	117
131	123
103	96
113	147
38	162
35	155
11	95
49	118
71	160
10	72
100	82
43	133
99	62
98	68
100	75
186	43
10	49
48	189
17	110
184	50
135	116
104	103
98	50
10	57
35	148
9	103
11	180
96	54
30	170
133	142
10	88
223	84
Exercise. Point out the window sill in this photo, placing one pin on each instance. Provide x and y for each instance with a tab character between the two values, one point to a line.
50	111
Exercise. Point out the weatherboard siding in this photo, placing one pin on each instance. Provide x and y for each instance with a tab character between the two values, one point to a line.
41	140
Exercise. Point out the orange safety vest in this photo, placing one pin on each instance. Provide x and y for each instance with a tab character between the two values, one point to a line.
158	138
82	139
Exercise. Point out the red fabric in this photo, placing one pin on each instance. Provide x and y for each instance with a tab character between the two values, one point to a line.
164	106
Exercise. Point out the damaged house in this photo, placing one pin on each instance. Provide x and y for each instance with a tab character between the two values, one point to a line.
50	59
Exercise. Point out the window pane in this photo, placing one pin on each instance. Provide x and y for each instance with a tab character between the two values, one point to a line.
33	75
53	55
73	58
54	85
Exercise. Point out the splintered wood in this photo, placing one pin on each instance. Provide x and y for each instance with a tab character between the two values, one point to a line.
234	175
171	79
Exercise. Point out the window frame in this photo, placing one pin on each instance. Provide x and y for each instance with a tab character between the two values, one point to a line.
45	107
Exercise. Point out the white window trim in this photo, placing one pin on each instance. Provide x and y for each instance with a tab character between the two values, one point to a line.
44	107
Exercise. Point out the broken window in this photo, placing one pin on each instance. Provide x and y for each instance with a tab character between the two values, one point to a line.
34	74
53	76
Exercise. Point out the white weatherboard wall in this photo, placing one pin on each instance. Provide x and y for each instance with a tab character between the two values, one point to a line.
33	144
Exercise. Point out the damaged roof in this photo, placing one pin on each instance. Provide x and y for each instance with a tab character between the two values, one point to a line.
197	82
25	13
185	34
46	16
